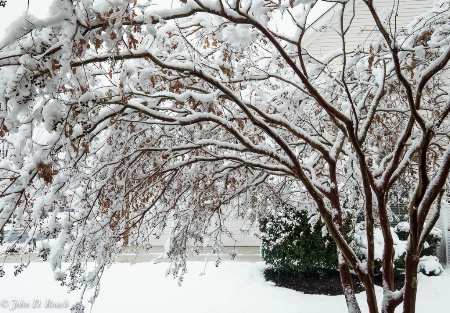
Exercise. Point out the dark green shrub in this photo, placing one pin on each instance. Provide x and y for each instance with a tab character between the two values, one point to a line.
431	244
399	264
360	242
291	243
402	230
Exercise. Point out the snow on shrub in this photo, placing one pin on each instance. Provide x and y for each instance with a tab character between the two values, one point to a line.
402	230
400	235
293	241
429	265
361	248
433	240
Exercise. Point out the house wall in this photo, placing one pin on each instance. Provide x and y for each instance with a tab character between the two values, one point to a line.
443	223
322	38
244	238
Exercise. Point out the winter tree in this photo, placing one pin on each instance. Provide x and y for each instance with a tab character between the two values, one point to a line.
135	115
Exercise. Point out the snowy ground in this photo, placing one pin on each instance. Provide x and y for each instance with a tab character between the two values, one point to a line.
232	287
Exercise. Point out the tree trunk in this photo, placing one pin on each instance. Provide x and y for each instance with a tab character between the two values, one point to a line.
409	298
370	294
347	286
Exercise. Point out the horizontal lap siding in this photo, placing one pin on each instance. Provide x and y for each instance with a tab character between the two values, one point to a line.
361	33
243	238
443	251
322	39
321	43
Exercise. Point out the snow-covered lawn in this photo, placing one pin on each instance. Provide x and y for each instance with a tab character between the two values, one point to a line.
232	287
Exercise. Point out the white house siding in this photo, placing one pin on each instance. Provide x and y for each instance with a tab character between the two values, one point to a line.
321	36
444	224
244	238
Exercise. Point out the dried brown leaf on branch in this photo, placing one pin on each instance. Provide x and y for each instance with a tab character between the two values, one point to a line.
46	172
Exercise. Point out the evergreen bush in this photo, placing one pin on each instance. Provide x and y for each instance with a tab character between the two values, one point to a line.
400	236
429	263
402	230
433	240
431	244
290	242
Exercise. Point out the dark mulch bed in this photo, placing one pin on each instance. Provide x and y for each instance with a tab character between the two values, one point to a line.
327	283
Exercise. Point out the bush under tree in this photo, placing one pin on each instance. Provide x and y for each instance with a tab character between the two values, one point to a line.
297	242
290	242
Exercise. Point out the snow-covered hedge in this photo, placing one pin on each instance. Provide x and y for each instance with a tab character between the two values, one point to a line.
293	241
361	248
402	230
432	242
430	264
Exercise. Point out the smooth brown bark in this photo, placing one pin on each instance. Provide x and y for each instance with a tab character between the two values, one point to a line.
409	297
369	287
388	253
347	287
